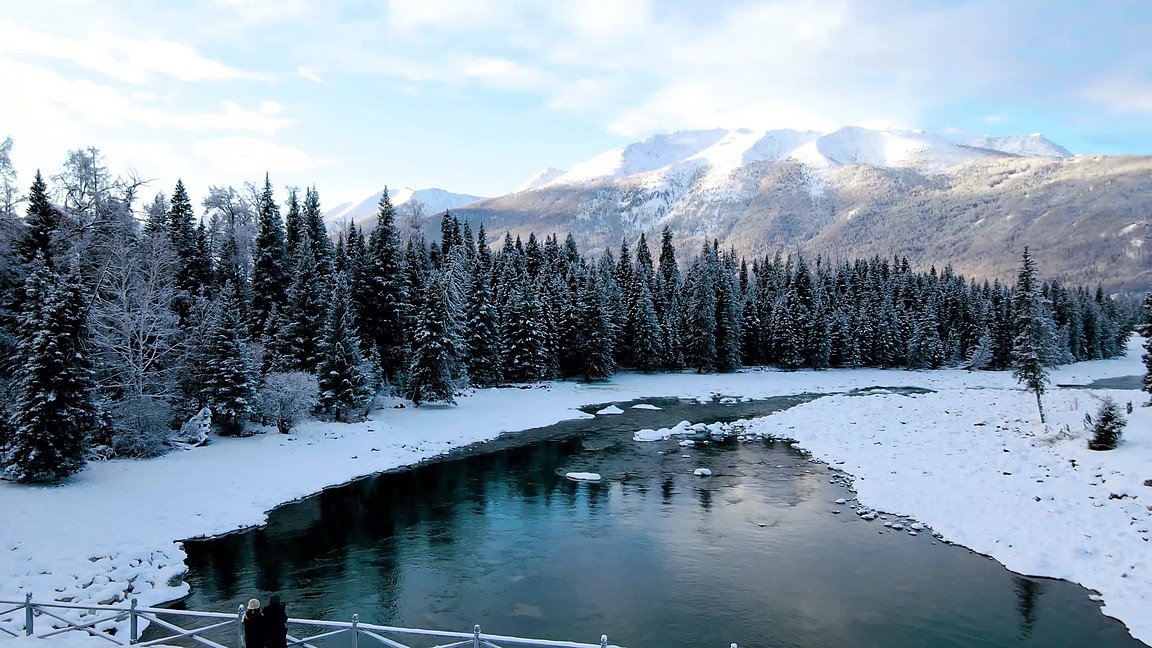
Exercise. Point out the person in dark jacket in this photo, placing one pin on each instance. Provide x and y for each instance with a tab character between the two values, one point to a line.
254	631
275	624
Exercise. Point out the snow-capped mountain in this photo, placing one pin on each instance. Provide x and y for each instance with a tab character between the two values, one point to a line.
434	201
541	179
853	192
720	151
1034	145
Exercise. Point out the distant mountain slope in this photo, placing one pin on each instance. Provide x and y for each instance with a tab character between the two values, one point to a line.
1034	145
435	202
855	192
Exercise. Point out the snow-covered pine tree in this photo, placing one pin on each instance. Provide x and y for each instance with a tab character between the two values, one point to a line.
728	315
593	331
313	221
231	376
1108	426
482	333
181	230
54	414
293	225
700	330
786	345
431	376
343	384
644	325
382	303
981	354
623	276
269	261
1146	331
1035	343
523	335
296	339
41	222
925	351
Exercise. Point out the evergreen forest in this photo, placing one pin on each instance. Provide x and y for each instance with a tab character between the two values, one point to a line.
120	321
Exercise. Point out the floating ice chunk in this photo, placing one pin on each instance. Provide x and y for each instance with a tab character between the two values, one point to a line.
841	500
898	527
687	442
702	472
916	526
645	406
583	476
611	409
650	435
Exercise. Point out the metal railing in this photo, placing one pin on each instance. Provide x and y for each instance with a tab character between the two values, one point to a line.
112	617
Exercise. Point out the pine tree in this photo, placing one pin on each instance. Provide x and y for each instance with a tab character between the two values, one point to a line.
1035	344
382	306
593	332
269	263
40	225
644	326
343	383
54	414
482	333
229	386
700	291
431	377
524	336
1146	331
728	316
313	221
296	335
1108	426
293	225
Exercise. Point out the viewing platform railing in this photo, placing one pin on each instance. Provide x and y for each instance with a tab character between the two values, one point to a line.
227	630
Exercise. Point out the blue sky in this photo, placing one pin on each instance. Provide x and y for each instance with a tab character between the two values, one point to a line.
476	96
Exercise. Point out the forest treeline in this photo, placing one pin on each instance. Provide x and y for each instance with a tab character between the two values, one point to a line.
120	322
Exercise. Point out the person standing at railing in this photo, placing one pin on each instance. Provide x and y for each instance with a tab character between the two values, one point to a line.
254	630
275	624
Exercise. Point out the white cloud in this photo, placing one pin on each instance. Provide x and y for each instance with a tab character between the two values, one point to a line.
1121	95
448	15
498	73
129	60
251	156
70	104
307	73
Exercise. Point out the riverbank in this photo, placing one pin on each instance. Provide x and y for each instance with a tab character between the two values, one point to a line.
113	532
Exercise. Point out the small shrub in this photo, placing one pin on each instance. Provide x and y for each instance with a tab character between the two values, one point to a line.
287	398
1108	426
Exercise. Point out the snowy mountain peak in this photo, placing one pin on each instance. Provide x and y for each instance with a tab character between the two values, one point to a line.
434	201
719	152
1034	145
541	179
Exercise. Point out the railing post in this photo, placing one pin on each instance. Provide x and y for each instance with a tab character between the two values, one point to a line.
133	634
355	630
240	626
603	641
476	636
28	613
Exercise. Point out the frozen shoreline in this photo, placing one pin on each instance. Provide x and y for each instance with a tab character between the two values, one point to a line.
113	533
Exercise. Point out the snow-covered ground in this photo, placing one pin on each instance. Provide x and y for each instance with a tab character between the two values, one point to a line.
970	460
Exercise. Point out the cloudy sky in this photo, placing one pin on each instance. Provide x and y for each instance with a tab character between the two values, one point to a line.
475	96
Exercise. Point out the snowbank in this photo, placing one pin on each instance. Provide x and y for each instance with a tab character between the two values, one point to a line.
611	409
113	533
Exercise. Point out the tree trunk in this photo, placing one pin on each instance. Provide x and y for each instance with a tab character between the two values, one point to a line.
1040	405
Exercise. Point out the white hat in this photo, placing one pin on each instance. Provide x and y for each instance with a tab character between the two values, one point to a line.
253	604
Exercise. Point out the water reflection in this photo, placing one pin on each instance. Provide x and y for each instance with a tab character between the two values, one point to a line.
653	556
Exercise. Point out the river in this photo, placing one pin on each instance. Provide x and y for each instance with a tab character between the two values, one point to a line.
757	554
